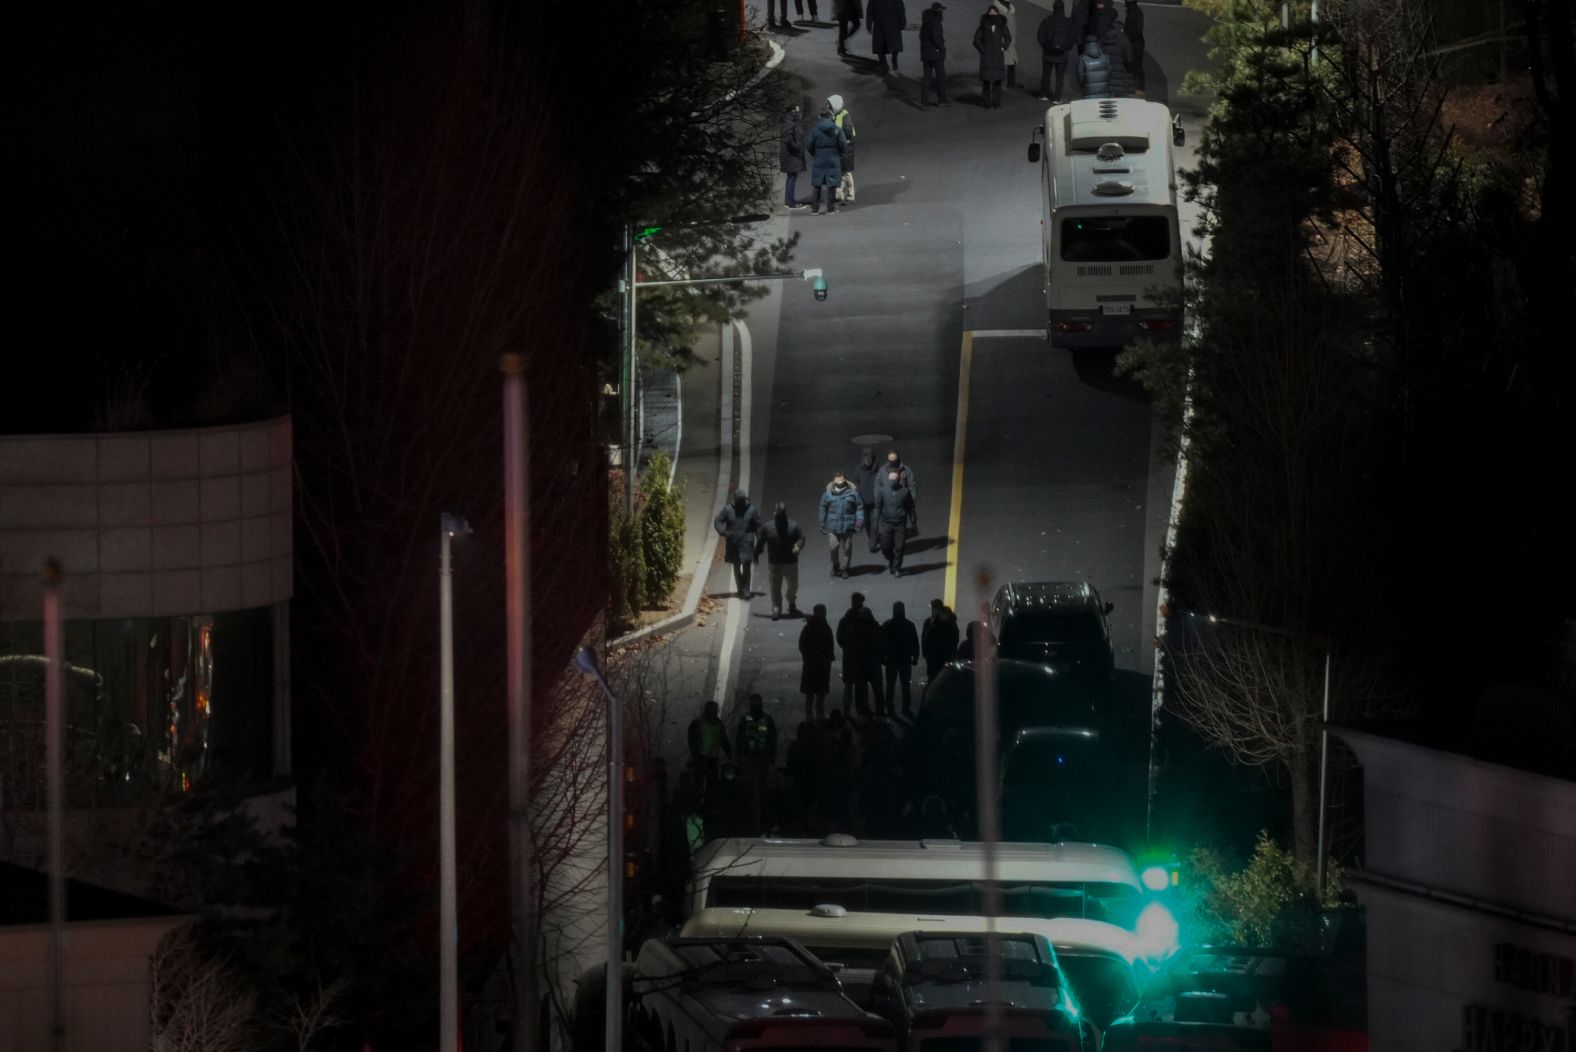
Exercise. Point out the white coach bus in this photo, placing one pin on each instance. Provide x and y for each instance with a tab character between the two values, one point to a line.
1110	235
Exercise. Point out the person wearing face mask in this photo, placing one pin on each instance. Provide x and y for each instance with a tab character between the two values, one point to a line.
739	523
784	541
841	514
1057	45
991	40
895	510
906	474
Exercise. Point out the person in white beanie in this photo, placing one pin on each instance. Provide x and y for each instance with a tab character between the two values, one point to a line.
845	193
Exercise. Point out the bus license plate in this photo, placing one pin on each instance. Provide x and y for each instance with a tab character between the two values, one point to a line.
1116	308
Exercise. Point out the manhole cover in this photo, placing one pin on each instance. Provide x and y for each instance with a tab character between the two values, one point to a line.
870	440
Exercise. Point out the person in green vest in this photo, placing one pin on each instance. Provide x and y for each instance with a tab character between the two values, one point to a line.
708	743
845	123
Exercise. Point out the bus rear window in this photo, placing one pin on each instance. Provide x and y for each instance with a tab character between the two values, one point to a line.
1114	903
1115	239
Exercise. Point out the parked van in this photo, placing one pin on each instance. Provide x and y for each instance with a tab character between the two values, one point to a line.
1109	230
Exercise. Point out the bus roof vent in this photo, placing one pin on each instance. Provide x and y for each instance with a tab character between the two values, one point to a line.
1110	151
1113	188
828	909
840	840
934	843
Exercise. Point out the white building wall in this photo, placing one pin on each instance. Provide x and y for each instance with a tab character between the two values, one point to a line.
1469	879
148	524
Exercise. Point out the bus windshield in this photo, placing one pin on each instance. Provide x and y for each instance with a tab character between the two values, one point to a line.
1115	239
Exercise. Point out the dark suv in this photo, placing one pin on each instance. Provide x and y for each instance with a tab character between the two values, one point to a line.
1061	624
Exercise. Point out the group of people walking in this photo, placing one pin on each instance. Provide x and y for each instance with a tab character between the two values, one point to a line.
879	500
733	785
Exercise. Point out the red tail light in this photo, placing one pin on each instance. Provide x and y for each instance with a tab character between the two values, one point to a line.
1072	326
1158	324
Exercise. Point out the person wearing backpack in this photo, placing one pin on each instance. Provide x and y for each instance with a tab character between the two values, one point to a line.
845	124
1056	45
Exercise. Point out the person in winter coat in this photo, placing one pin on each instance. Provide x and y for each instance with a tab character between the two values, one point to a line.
1114	43
860	638
1057	44
1099	15
1094	71
899	655
756	743
991	40
895	463
932	54
848	14
1009	12
740	526
784	541
790	157
894	510
845	124
885	20
816	653
1133	26
815	9
867	476
841	515
825	146
938	638
708	743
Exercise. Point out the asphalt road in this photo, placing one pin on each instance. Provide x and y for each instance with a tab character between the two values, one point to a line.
943	240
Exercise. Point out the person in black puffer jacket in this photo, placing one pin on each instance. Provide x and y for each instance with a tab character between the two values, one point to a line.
932	54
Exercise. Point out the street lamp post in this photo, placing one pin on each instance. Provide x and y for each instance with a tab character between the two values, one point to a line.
1320	852
613	1034
628	285
450	526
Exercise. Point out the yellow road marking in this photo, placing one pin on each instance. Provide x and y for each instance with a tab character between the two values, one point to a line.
955	519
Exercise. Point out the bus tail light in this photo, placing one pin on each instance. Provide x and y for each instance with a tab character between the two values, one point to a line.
1158	324
1073	326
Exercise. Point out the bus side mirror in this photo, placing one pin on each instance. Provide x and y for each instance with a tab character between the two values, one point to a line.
1178	136
1034	153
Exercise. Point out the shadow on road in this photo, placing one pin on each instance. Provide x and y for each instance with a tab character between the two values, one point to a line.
1096	368
925	544
911	569
1016	301
879	193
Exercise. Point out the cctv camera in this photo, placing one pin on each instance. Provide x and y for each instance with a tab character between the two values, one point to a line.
820	288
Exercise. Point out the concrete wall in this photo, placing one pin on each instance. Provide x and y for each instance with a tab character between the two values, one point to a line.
107	984
1469	879
148	524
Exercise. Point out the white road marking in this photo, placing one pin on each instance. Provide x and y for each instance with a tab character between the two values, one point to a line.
737	610
984	334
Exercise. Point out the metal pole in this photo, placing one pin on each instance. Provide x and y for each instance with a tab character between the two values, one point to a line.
627	382
613	1006
517	646
54	759
1314	18
1324	779
985	788
448	914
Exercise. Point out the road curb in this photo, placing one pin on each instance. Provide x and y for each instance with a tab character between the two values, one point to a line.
708	555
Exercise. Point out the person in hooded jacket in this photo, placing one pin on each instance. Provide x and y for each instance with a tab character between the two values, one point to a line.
899	655
845	124
859	636
1114	43
885	20
784	542
932	54
840	516
816	652
1133	26
848	13
790	157
1094	71
991	40
740	526
1009	12
894	510
825	145
867	476
1057	43
1099	14
938	638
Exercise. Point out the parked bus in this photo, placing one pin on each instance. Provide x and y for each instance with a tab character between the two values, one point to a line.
933	989
749	993
1111	239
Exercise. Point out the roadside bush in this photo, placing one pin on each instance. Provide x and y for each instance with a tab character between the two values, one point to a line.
661	531
626	554
1271	901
